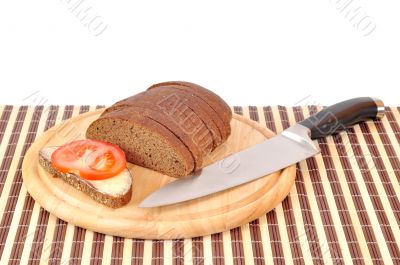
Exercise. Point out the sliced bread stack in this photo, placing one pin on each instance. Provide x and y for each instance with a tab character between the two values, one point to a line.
171	127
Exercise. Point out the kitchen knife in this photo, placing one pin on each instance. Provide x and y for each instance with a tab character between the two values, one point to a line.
290	146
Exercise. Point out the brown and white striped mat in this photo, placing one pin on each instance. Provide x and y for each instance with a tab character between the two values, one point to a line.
343	209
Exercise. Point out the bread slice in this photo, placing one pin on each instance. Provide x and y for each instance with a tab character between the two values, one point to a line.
113	192
145	141
213	100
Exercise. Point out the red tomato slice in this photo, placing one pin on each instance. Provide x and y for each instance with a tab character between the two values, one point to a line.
90	159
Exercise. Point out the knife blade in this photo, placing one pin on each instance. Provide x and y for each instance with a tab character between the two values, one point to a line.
289	147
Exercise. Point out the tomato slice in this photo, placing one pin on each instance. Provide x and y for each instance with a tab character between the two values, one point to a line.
90	159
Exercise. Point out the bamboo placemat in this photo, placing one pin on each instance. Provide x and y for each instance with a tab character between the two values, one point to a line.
343	209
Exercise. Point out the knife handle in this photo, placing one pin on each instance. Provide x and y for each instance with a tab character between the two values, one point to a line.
342	115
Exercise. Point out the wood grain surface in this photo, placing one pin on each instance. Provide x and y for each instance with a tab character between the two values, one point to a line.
203	216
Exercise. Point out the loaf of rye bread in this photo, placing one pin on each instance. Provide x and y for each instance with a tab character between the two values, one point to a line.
170	128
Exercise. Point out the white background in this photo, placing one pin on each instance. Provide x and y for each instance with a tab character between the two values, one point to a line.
249	52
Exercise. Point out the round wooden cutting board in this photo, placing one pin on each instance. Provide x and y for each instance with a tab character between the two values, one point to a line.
210	214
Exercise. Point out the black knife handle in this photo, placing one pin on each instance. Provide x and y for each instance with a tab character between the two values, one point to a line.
342	115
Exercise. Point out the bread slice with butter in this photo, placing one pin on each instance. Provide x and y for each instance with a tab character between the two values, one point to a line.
113	192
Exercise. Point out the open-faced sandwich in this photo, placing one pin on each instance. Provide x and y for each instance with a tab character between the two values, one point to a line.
94	167
170	128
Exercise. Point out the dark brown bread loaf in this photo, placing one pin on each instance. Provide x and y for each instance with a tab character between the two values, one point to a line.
145	142
195	120
212	99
